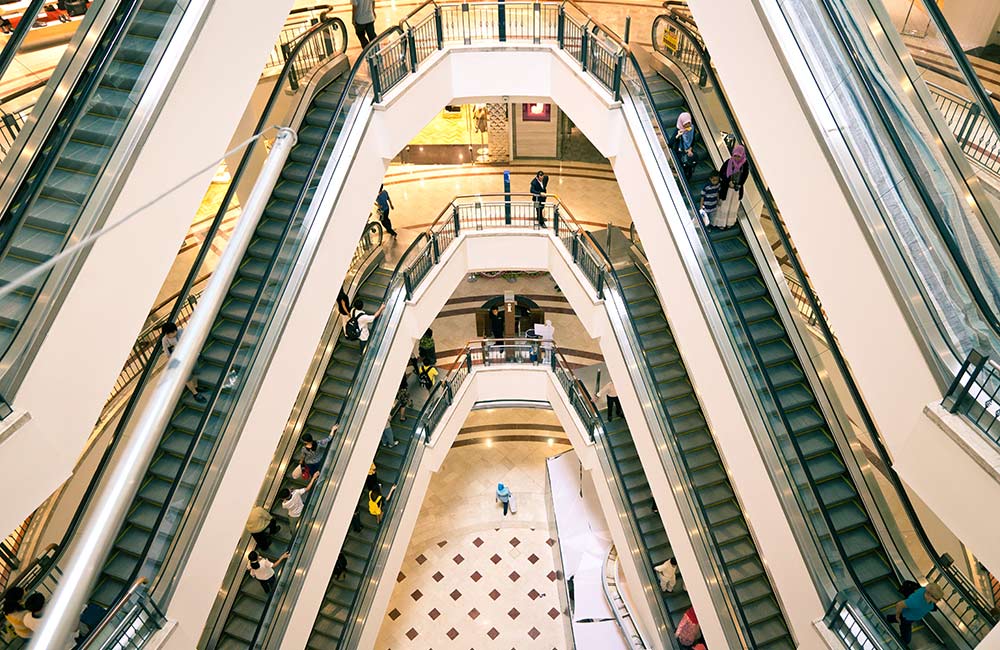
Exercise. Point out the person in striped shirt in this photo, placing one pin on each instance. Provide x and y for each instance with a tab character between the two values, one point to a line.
709	204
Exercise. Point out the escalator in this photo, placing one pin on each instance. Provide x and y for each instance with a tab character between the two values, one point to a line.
190	437
729	532
340	603
240	628
46	208
819	467
821	459
906	148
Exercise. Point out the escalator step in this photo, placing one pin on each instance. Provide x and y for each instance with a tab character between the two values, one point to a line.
110	102
69	186
121	566
847	515
785	374
776	351
870	567
758	309
748	289
82	157
148	24
794	397
121	76
107	591
815	442
738	551
826	466
746	570
669	386
836	491
135	50
730	248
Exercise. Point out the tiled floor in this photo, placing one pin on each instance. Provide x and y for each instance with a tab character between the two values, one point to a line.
473	578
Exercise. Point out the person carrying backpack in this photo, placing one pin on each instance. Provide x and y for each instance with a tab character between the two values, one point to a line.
358	326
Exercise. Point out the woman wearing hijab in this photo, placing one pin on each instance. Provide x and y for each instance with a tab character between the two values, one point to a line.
503	496
734	172
684	144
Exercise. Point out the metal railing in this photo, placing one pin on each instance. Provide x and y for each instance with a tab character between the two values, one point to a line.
974	395
858	626
299	21
132	622
618	604
962	596
973	131
432	25
8	551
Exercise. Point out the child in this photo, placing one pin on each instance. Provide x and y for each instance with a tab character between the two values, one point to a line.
709	204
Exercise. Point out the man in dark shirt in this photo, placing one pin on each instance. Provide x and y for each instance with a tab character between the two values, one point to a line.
496	322
538	186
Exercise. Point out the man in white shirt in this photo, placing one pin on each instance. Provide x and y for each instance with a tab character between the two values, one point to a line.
364	320
262	569
608	390
292	500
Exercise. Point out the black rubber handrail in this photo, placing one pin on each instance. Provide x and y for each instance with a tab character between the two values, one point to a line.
182	295
867	419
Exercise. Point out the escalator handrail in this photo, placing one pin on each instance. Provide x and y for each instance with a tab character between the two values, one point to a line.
181	299
831	341
371	350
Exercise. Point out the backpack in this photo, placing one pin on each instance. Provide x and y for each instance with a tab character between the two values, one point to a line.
375	506
352	330
907	587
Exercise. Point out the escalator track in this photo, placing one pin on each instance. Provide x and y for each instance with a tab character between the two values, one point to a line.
47	206
837	504
242	622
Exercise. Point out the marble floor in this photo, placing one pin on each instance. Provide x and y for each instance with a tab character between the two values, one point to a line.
471	577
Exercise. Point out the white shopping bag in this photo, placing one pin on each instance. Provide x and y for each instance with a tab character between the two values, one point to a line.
513	504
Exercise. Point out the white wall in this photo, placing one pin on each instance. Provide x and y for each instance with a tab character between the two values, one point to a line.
884	352
90	338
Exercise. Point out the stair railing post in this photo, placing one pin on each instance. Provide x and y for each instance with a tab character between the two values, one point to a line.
502	20
438	27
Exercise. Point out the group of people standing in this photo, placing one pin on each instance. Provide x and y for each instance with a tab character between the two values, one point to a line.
717	212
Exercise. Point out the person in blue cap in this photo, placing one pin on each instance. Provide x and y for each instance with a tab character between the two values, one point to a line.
503	496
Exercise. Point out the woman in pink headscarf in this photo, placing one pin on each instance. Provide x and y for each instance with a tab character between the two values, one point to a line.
683	144
734	172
